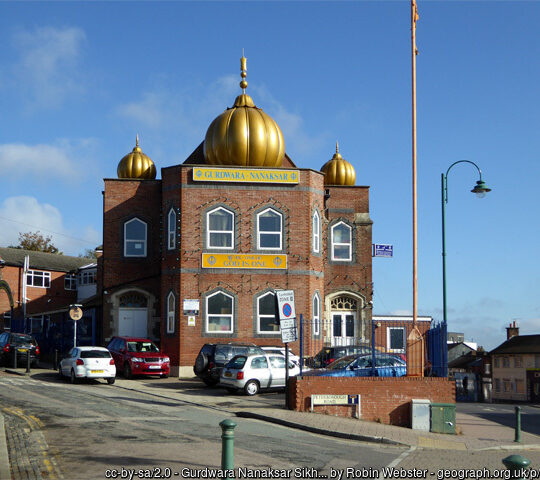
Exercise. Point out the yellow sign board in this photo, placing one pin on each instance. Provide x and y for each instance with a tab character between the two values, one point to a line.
236	260
245	175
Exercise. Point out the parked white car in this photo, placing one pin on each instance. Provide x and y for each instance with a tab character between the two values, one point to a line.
88	362
252	373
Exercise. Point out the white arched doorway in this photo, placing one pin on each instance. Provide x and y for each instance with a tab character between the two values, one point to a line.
345	322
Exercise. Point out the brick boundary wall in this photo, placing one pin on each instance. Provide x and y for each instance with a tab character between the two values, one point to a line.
384	400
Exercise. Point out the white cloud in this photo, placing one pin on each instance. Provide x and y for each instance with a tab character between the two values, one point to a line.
25	214
17	159
47	68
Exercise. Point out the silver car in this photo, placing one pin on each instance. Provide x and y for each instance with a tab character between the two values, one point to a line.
252	373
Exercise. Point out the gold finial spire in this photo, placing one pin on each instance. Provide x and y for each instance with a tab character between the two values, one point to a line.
137	140
243	73
337	147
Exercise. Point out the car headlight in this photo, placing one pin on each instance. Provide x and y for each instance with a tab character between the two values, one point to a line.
165	360
136	359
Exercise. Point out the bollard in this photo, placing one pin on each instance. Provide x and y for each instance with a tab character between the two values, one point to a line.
28	361
517	466
55	359
227	445
15	358
517	437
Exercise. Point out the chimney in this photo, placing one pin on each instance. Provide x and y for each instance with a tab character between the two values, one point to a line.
512	330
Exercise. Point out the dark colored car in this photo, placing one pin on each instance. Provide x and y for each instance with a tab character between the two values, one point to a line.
330	354
362	366
21	343
138	356
213	357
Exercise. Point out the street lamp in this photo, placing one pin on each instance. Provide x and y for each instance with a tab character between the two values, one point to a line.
480	189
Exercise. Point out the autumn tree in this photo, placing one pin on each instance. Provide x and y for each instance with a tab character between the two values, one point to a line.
36	242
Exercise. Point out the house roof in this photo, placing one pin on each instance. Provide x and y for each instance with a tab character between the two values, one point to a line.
43	261
519	344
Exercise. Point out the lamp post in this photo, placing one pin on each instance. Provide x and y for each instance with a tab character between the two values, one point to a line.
480	189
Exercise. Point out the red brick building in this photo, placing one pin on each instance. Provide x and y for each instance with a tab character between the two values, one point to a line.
196	256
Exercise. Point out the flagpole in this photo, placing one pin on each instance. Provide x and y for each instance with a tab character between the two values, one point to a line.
414	52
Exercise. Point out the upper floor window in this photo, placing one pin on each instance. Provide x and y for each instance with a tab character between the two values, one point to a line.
396	339
219	313
87	277
269	230
135	238
220	229
316	326
171	229
316	227
341	235
70	281
266	314
171	309
35	278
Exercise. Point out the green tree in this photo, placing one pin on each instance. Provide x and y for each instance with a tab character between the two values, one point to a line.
88	253
36	242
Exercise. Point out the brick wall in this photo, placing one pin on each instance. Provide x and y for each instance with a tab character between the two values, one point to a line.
384	400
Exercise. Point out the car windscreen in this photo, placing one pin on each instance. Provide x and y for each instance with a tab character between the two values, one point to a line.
22	340
95	354
341	363
142	347
237	362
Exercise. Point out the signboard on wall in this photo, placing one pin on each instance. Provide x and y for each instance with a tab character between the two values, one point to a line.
383	250
245	175
191	307
259	261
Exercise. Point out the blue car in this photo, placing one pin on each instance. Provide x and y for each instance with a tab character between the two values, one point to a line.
362	366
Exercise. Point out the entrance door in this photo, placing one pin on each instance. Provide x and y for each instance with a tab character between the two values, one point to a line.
133	322
343	328
534	385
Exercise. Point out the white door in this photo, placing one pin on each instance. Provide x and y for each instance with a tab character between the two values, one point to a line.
343	328
133	322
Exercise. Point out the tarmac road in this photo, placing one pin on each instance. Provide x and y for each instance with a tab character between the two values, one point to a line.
82	431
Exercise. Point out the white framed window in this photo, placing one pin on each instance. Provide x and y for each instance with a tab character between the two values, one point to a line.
35	278
316	232
269	230
171	229
266	314
135	238
220	229
316	326
87	277
396	339
70	281
341	242
219	313
171	310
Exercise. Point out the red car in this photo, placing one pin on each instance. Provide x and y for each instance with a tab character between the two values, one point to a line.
138	356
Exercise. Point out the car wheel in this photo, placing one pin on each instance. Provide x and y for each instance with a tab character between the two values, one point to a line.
60	372
110	381
210	382
251	387
72	377
201	362
127	371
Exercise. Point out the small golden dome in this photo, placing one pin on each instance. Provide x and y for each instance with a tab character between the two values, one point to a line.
338	171
244	135
136	165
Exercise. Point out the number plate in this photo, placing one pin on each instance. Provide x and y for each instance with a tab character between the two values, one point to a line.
96	371
154	367
228	374
23	350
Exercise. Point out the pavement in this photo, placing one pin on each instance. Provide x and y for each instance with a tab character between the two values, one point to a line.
478	443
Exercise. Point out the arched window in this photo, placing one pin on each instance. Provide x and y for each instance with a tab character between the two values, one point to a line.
266	314
316	232
135	238
341	242
171	310
133	300
316	320
171	230
219	313
220	229
269	230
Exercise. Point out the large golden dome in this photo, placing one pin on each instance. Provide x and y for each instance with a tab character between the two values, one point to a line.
136	165
244	135
338	171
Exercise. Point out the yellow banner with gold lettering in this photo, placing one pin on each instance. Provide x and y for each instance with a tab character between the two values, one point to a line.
244	175
237	260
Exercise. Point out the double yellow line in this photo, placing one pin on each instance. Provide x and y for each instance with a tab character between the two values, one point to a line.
35	424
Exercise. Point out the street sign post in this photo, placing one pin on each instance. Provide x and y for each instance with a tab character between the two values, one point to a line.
287	316
75	313
382	250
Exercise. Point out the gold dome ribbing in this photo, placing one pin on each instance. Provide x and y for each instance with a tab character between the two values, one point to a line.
136	165
244	134
338	171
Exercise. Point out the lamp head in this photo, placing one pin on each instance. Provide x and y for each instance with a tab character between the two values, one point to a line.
480	189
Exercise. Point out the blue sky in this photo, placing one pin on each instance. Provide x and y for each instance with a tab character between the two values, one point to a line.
78	81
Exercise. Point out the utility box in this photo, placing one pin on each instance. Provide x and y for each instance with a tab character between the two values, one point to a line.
443	418
420	414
